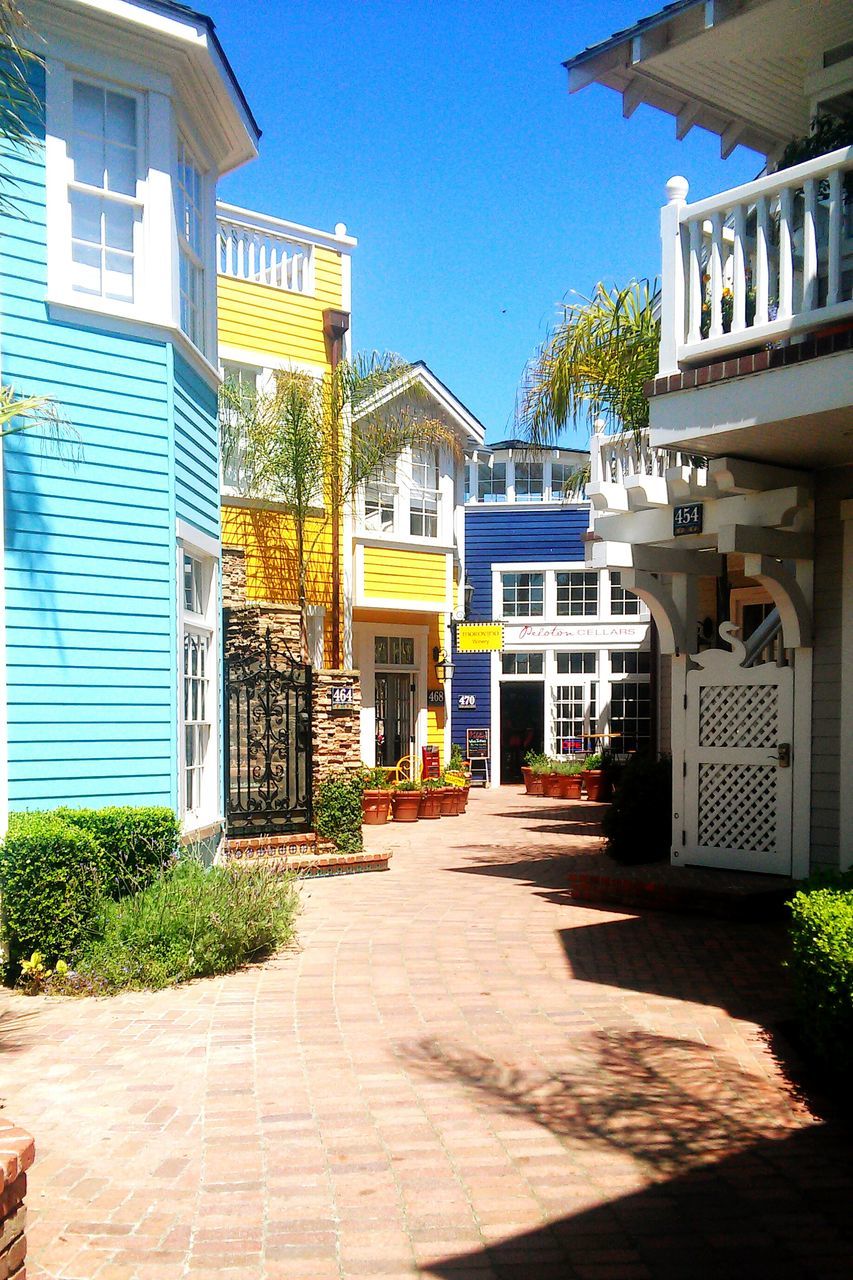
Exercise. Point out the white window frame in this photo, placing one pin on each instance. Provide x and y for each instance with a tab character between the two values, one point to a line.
516	573
614	585
197	259
201	547
399	486
585	613
588	700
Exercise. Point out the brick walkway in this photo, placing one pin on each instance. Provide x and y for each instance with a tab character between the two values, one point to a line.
458	1074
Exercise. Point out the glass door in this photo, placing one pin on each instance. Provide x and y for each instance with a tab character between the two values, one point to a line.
394	716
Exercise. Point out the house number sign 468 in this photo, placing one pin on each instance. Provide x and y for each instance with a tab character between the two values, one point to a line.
687	518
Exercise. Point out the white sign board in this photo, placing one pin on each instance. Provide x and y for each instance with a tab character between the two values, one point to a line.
532	634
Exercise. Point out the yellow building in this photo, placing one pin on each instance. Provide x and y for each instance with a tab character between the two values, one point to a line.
384	588
283	303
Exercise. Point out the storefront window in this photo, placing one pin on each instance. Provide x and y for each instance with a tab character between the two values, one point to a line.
631	662
577	594
575	714
394	651
623	603
630	715
523	664
576	664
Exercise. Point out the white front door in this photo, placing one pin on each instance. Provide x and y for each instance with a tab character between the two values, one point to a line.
739	731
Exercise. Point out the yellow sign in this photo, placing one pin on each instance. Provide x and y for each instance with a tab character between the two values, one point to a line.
480	637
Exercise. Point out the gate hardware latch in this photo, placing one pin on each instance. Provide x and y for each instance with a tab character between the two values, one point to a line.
783	758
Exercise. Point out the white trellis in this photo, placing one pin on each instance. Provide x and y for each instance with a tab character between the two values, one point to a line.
738	795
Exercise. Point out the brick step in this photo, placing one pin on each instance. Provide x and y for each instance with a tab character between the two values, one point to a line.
305	855
726	900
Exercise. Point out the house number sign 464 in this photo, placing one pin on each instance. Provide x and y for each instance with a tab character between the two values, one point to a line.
687	518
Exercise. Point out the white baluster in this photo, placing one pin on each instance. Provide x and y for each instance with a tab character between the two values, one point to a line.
274	262
262	262
596	440
253	257
786	259
694	284
241	254
716	282
229	251
739	271
762	270
810	246
833	293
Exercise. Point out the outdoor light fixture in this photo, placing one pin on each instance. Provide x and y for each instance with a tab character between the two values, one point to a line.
469	594
444	668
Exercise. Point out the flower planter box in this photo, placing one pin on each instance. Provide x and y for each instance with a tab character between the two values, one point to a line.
405	805
462	800
551	785
535	784
430	806
375	808
570	786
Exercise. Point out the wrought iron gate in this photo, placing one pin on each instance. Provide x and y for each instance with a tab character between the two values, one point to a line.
267	741
739	729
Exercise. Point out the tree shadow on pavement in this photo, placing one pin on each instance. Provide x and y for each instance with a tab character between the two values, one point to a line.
737	1182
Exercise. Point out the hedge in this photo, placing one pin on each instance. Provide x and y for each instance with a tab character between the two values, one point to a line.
50	879
638	823
136	842
822	968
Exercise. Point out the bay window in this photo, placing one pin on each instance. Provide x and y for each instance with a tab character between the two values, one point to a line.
189	210
529	481
423	501
380	499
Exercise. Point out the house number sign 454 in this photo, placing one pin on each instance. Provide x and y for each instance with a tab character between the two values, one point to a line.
687	518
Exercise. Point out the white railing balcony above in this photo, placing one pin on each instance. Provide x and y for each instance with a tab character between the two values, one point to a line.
626	472
757	264
256	251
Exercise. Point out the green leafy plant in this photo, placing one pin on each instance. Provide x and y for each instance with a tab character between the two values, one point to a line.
375	778
190	922
569	768
822	967
428	784
408	784
540	764
136	842
50	879
593	761
456	758
337	810
638	823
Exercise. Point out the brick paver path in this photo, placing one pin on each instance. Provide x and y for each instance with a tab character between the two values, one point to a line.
459	1073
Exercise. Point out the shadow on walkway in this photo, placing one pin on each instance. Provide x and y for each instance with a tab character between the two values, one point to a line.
734	1191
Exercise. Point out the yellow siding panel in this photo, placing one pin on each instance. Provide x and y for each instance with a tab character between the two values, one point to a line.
272	566
391	574
259	317
435	715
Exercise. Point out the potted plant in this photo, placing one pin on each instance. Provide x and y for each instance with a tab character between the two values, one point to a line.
569	772
538	765
551	781
406	800
459	789
375	796
430	805
593	777
448	799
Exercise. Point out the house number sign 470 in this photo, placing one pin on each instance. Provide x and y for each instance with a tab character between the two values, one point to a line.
687	518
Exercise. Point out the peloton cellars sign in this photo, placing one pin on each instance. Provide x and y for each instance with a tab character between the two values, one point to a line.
546	633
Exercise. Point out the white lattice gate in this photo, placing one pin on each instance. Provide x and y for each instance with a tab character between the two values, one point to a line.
738	732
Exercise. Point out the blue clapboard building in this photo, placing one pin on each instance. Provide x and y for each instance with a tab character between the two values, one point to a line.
108	297
575	665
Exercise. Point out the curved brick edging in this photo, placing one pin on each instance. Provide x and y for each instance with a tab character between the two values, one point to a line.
17	1152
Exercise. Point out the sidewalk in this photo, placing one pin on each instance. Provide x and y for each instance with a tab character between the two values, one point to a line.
458	1073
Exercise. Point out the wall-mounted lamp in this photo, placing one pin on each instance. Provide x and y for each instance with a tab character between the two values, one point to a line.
444	668
469	594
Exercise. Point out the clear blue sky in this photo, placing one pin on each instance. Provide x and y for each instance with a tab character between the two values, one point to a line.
442	133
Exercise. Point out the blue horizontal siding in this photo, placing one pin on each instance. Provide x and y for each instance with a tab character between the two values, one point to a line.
90	559
196	450
472	675
499	535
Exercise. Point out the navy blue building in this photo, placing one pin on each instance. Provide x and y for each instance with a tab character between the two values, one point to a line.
575	665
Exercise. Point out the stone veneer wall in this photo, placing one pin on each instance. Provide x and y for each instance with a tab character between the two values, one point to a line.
336	733
17	1152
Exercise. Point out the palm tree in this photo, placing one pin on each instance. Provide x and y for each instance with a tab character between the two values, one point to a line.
594	365
310	444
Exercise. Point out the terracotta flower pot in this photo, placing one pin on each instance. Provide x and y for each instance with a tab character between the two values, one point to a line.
535	784
375	807
459	799
430	806
595	784
527	776
570	786
448	802
551	785
405	805
463	798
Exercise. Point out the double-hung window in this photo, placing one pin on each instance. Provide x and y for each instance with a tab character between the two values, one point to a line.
561	474
198	694
189	208
105	211
623	603
523	595
424	499
577	594
491	482
380	499
574	715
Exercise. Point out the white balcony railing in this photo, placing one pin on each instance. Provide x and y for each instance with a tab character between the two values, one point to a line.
253	248
626	472
757	264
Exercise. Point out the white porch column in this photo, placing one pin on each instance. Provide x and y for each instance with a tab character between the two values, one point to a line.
672	276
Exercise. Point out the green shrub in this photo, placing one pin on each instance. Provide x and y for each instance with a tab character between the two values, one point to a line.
137	842
638	824
50	879
337	810
822	969
191	922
